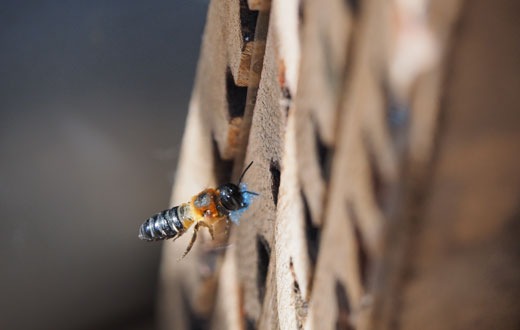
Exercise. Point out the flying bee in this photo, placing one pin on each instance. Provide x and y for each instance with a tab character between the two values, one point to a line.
205	209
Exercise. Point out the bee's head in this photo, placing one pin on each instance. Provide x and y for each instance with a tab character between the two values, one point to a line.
231	197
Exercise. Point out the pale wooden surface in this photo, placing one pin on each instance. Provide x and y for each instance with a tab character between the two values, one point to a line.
384	159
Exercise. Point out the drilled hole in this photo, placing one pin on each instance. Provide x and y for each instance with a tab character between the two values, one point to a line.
236	96
360	244
324	154
248	19
343	320
312	232
263	252
274	168
250	324
222	168
353	5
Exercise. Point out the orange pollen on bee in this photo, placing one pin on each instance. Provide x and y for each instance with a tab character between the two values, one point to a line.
204	206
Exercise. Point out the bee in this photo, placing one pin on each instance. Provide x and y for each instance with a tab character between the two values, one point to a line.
227	202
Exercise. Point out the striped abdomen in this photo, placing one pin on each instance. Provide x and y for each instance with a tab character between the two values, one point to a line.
163	225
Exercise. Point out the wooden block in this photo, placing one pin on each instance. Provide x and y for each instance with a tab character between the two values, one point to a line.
239	25
254	238
368	152
210	139
223	71
462	233
372	213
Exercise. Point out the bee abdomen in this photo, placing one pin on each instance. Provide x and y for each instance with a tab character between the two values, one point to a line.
163	225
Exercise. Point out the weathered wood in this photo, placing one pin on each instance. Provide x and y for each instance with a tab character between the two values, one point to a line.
327	34
224	69
383	139
457	267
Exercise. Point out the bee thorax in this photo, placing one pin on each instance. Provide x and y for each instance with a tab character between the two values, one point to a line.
230	197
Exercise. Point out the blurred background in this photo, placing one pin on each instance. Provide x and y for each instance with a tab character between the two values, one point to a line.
93	100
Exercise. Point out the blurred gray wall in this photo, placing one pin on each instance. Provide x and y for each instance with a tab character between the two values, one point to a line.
93	100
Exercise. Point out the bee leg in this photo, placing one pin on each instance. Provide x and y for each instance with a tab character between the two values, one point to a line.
192	241
210	228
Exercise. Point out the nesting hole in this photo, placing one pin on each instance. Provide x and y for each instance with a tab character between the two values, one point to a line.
343	320
236	96
312	232
354	6
250	324
248	19
274	168
263	252
323	152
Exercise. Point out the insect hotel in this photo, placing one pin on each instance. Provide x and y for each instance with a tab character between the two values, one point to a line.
385	170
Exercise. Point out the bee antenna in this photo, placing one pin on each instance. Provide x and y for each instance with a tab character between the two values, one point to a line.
243	173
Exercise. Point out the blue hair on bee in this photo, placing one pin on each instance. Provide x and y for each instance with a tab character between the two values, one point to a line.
247	198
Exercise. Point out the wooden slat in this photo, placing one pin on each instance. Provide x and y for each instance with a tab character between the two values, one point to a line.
383	137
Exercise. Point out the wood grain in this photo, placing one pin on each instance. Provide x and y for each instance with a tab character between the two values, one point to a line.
384	137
